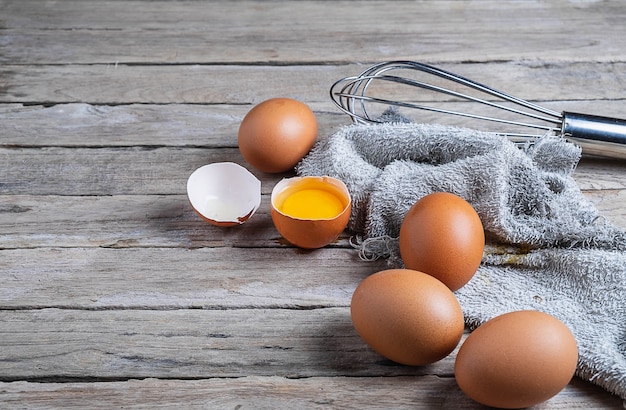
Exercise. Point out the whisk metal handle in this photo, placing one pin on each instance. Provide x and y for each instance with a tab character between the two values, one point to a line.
596	135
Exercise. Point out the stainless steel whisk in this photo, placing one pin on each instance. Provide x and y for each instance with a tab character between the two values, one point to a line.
596	135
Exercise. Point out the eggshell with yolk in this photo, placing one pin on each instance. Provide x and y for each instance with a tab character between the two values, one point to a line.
407	316
310	233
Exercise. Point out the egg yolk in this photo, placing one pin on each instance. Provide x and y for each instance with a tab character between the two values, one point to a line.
312	204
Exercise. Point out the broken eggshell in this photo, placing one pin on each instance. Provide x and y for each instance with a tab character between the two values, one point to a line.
310	233
224	193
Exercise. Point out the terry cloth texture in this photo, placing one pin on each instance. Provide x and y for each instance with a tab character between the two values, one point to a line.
548	248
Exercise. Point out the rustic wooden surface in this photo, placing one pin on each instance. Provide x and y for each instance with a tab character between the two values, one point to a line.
114	294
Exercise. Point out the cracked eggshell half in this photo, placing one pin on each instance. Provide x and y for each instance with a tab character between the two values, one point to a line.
224	193
316	219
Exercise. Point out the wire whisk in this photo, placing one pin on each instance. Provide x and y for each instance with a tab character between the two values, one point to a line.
362	97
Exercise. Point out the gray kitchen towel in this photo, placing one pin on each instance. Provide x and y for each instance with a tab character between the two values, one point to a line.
548	248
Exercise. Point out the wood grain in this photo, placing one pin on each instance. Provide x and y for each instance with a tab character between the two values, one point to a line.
250	84
133	170
137	221
271	392
195	125
146	125
249	32
160	278
115	294
190	343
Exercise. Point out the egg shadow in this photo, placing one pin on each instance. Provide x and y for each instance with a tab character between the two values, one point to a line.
341	352
344	353
170	219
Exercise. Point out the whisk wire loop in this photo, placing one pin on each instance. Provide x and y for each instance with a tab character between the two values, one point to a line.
350	94
596	135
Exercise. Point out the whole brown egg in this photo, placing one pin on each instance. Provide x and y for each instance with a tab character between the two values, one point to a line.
516	360
442	235
407	316
276	134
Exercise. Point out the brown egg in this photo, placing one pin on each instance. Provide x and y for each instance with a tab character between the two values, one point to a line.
442	235
516	360
407	316
276	134
311	211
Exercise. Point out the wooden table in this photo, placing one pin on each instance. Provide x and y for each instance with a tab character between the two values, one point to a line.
114	294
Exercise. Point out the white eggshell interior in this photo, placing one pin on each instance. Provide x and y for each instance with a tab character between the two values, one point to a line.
224	192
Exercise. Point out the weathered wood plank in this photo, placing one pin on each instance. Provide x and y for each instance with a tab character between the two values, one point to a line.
401	392
234	84
601	174
182	125
127	221
172	125
251	32
297	352
196	343
164	170
107	171
136	221
157	84
157	278
102	280
122	221
611	204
